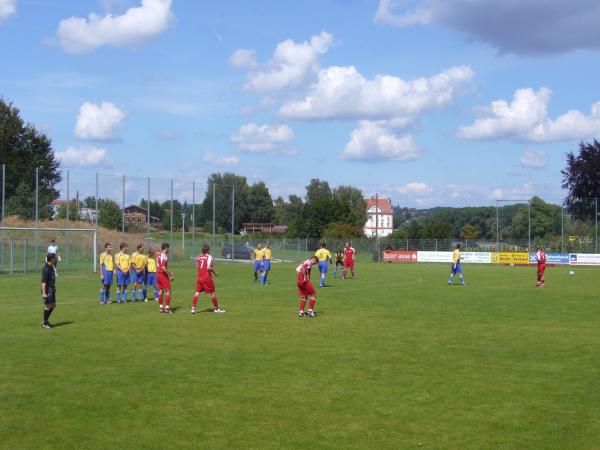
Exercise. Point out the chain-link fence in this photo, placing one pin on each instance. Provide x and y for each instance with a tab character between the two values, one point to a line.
151	210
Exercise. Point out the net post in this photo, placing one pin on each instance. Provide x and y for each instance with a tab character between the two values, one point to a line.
232	222
193	218
148	210
95	252
37	217
213	215
67	217
123	209
171	212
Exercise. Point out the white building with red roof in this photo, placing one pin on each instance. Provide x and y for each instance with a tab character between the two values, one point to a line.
381	209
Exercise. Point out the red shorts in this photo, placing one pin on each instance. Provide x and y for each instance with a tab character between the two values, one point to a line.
349	264
205	285
305	288
541	269
163	281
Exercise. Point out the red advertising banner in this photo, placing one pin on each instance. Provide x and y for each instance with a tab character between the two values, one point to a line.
400	256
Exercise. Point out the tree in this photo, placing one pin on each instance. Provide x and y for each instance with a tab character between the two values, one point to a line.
336	230
438	230
354	198
110	215
581	178
223	193
318	189
23	149
469	232
62	211
22	202
260	204
415	230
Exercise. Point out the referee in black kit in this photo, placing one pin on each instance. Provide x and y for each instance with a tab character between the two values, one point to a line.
49	288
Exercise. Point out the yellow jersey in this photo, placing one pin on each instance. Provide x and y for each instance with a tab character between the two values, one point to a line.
257	254
139	260
456	256
123	261
323	254
106	260
266	254
151	264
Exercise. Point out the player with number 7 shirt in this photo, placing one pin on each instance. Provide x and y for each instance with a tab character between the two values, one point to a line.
204	280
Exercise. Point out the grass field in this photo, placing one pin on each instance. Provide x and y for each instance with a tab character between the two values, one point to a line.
395	359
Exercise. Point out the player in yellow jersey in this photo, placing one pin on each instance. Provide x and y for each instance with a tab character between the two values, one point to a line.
123	262
266	262
325	259
151	274
138	272
107	267
257	258
456	268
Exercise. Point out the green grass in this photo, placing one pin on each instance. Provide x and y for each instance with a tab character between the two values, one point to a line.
396	359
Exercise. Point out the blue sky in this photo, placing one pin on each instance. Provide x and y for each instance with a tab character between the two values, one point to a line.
431	102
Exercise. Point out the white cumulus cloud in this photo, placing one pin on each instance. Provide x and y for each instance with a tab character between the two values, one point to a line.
342	92
243	58
7	8
414	187
85	157
135	26
533	158
526	118
371	142
532	27
218	160
99	122
290	65
264	138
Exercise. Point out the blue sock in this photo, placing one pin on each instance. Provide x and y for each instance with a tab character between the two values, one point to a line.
107	295
263	278
118	296
451	279
462	280
322	282
101	295
334	273
155	294
124	295
133	294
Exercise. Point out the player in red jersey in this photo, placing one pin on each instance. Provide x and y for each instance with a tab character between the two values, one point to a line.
305	287
349	257
204	281
164	277
540	258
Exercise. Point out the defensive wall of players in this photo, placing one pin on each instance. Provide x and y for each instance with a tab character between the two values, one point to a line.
508	258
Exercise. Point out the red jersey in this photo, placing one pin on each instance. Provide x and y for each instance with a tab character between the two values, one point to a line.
349	253
540	256
162	260
304	267
204	263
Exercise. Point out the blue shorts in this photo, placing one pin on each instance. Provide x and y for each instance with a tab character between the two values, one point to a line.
457	270
267	264
107	277
257	265
122	278
151	279
137	278
323	267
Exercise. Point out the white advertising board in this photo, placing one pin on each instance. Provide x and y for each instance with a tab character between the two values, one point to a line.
476	257
584	259
445	257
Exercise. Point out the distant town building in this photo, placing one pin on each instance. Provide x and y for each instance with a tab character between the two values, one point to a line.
382	210
268	228
136	215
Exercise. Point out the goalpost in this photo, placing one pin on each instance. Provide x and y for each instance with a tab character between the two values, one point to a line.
23	249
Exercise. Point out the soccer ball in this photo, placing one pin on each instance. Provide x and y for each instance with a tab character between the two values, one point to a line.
571	273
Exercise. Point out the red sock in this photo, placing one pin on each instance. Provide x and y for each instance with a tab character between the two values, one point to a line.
168	300
215	303
302	304
160	300
311	304
195	301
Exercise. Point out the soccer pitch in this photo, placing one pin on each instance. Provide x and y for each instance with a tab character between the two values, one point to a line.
395	359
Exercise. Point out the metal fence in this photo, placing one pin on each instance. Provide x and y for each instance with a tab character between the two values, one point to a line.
152	210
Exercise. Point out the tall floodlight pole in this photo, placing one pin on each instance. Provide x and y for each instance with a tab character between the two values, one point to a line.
67	218
37	215
562	228
123	206
596	220
148	210
183	233
529	226
214	216
193	218
171	235
497	229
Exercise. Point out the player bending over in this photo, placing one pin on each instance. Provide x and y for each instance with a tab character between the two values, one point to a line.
266	262
123	260
151	275
324	257
204	280
305	287
164	277
257	257
106	273
540	258
456	268
339	261
138	272
349	257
